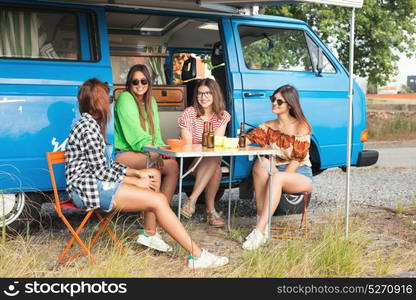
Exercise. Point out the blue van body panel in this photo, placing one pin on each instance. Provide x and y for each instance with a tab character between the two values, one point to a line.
38	99
328	94
38	105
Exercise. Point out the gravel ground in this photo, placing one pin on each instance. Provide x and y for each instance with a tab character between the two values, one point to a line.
369	186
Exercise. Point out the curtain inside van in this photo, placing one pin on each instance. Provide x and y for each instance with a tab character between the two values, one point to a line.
19	35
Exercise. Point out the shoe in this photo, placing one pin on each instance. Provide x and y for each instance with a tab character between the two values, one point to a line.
266	229
254	240
206	260
188	208
153	241
214	219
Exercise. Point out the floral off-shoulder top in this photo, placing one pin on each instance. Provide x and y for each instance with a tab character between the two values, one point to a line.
291	147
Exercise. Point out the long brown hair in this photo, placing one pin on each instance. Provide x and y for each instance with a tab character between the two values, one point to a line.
147	97
218	105
93	98
291	95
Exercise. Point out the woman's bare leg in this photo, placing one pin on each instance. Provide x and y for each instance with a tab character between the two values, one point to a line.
260	180
170	172
212	189
203	174
138	161
291	183
130	198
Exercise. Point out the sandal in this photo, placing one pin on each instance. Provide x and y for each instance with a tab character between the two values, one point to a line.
188	208
214	219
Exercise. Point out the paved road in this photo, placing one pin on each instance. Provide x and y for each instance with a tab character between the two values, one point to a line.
394	155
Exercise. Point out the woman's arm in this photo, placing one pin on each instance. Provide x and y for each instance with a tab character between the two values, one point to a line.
142	182
220	131
186	136
292	166
258	135
158	140
184	122
128	115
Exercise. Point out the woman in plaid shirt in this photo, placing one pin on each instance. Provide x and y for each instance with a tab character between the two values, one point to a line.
93	180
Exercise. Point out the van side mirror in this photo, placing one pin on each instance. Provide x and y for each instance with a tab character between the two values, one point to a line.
320	63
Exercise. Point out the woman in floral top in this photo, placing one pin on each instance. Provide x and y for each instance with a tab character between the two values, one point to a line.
290	135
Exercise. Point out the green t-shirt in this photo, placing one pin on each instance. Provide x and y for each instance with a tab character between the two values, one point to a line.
129	135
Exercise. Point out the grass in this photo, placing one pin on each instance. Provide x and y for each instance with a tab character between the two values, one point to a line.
393	128
325	254
328	255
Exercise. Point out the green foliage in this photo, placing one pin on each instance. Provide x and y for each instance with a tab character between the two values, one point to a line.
405	89
383	29
206	58
275	50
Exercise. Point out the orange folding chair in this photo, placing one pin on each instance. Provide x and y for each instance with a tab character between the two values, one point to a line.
54	158
303	228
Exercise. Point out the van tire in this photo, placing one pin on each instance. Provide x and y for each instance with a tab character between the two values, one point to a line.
23	212
290	204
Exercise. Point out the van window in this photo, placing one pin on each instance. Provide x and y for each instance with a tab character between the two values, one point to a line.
36	34
327	65
266	48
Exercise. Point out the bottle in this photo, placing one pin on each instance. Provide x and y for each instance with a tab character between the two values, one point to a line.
210	142
242	136
205	135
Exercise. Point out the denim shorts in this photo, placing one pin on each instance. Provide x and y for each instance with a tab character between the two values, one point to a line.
106	192
304	170
118	152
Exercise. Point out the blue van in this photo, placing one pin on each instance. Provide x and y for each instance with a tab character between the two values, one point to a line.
47	50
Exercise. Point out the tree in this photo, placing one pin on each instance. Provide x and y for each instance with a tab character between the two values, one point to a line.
384	28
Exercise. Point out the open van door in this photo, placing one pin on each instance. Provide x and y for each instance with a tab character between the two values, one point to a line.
273	53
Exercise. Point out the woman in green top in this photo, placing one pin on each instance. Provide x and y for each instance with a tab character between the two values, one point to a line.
137	125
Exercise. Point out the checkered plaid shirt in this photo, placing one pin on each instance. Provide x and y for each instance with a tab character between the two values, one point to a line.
86	161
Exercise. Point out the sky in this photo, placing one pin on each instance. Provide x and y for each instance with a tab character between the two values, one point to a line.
407	66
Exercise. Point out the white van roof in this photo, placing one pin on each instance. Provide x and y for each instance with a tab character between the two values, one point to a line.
207	6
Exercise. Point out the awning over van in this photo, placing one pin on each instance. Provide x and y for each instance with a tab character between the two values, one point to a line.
237	3
206	6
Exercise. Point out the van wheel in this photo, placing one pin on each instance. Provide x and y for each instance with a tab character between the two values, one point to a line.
290	204
19	212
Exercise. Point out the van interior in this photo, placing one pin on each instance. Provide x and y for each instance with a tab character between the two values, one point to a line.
179	51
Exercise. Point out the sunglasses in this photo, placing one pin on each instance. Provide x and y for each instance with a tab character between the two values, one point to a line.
278	101
142	81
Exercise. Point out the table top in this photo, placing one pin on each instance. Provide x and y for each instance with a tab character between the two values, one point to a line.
197	150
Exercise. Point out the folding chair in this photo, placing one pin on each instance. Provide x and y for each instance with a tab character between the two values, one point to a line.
54	158
303	224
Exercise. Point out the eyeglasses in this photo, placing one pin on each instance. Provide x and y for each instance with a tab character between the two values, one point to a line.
142	81
278	101
203	94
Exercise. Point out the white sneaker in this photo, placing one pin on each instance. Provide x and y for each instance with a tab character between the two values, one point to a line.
153	241
266	229
254	240
206	260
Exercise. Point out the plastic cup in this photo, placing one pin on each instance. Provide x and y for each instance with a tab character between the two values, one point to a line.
219	141
231	143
